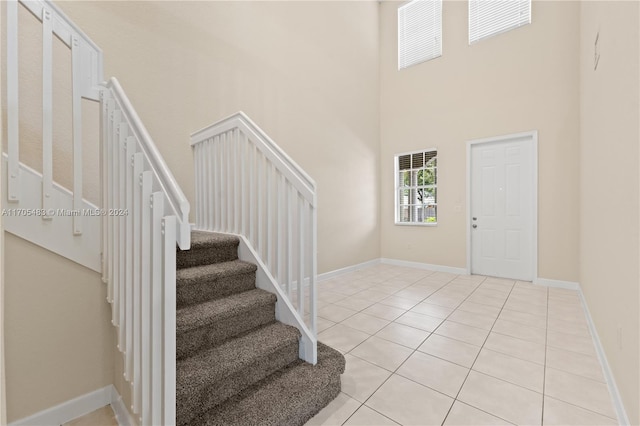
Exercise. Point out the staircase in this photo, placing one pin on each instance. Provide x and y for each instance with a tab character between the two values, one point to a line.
237	365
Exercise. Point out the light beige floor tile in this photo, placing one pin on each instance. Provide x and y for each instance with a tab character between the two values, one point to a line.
532	320
525	307
330	296
462	414
367	323
372	295
538	301
446	301
435	373
458	352
486	300
570	327
415	293
365	416
435	311
409	403
576	363
399	302
388	289
103	416
502	399
403	335
354	303
478	308
580	391
383	353
336	413
559	413
323	324
361	378
570	342
465	333
472	319
386	312
514	370
423	322
523	349
335	313
521	331
483	290
342	337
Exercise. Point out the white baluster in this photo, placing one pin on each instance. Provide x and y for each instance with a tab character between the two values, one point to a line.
77	132
123	130
301	244
169	349
13	124
137	283
47	112
157	305
129	254
145	280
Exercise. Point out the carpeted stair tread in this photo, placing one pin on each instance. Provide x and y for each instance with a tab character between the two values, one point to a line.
214	311
200	283
289	397
209	377
210	323
206	248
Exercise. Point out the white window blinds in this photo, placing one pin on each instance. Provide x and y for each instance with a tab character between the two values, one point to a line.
490	17
419	32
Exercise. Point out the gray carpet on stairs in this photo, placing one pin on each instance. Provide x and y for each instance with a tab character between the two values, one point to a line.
236	364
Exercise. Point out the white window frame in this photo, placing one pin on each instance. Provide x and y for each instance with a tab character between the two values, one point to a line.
398	187
419	32
488	18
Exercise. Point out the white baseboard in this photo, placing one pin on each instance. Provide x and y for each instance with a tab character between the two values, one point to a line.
336	273
569	285
618	406
123	416
419	265
80	406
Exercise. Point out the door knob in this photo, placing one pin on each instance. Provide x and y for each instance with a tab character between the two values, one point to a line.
474	225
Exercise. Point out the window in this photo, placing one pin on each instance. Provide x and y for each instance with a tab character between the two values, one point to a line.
491	17
416	188
419	32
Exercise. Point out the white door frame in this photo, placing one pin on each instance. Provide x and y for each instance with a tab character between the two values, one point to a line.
533	136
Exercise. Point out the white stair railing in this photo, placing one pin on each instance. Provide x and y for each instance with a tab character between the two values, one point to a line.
147	215
248	186
51	216
143	215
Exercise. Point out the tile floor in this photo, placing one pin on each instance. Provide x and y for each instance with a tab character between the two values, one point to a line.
432	348
101	417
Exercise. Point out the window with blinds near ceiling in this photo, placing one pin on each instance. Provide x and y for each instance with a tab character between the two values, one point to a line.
419	32
491	17
417	188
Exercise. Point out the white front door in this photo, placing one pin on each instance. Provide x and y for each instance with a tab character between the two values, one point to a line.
502	203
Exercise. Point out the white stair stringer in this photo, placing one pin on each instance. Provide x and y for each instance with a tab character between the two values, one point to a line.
24	219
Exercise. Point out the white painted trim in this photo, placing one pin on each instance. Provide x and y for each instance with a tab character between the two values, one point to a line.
55	234
285	311
123	416
346	270
618	405
69	410
533	135
80	406
569	285
419	265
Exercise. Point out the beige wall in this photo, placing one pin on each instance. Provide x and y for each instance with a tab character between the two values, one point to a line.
59	339
307	72
609	163
522	80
